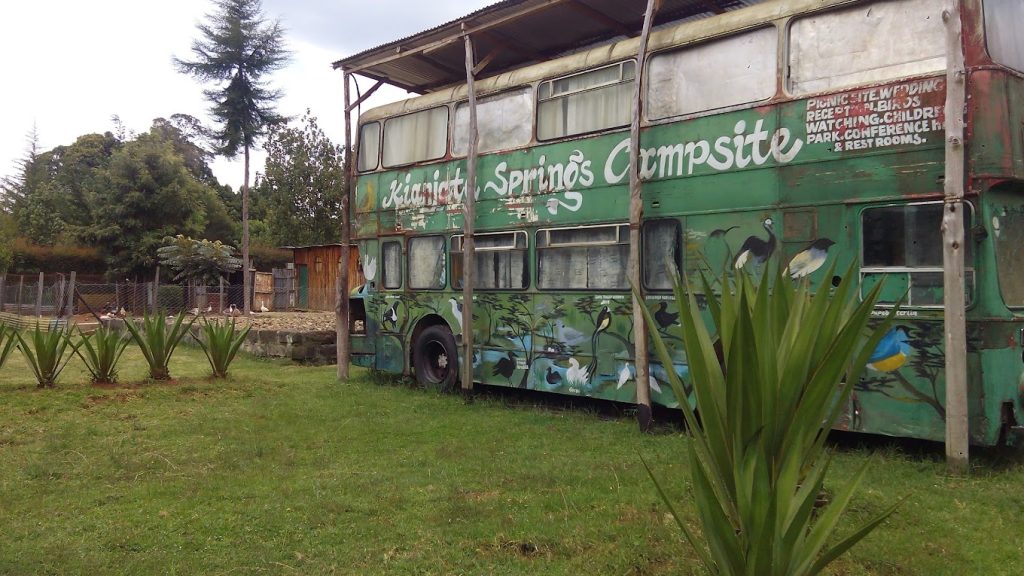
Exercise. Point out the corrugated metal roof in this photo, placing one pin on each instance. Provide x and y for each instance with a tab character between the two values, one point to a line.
515	33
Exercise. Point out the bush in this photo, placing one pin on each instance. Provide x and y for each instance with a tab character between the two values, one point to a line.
221	342
46	354
103	350
28	258
758	459
158	342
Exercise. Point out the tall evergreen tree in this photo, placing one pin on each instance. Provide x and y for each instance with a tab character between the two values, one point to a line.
237	49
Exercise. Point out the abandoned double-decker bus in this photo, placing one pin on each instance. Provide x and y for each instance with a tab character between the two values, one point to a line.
797	132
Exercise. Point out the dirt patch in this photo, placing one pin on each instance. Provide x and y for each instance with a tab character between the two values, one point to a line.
100	399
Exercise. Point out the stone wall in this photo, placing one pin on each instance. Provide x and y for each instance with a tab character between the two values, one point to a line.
310	347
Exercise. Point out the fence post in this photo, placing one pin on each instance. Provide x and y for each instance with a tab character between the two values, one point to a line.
58	296
156	292
71	297
221	303
21	286
39	295
150	297
3	291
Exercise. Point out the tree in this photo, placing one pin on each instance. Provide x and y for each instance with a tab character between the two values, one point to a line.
303	183
236	50
198	261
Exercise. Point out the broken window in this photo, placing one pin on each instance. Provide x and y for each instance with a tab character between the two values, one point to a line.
586	102
369	146
391	272
903	245
592	257
661	253
504	121
721	73
426	262
500	261
865	44
416	137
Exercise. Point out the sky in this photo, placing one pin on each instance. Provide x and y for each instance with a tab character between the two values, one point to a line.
69	66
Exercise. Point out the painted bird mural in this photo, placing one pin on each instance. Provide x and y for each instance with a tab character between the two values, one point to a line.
568	335
663	317
755	248
456	311
892	351
505	367
553	378
576	374
604	320
390	316
808	260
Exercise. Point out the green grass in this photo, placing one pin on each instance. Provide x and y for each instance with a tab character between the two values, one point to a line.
279	469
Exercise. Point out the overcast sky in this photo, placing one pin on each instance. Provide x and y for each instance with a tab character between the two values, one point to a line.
69	65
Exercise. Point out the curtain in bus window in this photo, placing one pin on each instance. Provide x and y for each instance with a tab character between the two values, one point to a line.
1008	233
727	72
500	261
1004	32
586	102
415	137
504	121
426	262
580	258
369	146
864	44
391	253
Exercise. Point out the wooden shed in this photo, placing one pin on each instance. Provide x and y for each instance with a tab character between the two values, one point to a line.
316	272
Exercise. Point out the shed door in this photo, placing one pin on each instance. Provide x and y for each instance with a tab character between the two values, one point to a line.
303	298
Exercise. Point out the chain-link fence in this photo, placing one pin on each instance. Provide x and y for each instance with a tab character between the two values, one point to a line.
62	295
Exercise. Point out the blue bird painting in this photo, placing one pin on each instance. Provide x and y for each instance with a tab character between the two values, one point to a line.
892	352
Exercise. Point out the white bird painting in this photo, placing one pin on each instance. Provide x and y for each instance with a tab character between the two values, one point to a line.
576	374
370	268
568	335
456	311
624	375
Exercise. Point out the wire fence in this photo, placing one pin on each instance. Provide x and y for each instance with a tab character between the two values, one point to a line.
62	296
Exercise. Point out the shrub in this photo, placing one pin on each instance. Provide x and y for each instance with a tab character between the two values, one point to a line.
221	342
103	350
157	341
758	459
46	353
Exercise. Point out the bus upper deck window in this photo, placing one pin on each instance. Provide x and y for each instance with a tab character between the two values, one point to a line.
369	146
416	137
586	102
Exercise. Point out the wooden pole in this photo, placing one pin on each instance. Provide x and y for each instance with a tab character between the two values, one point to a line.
156	282
3	290
636	207
341	305
71	296
39	295
468	200
21	286
957	426
58	297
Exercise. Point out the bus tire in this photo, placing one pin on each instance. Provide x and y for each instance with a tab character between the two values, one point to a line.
435	358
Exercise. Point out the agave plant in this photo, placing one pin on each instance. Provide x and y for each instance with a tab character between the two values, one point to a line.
221	342
790	356
46	353
7	343
157	341
102	351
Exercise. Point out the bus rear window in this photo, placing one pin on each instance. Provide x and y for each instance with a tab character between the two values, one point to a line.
593	257
867	43
902	246
1008	235
369	146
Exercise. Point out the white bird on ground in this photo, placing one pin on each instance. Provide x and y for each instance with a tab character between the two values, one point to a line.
194	311
263	307
209	308
577	374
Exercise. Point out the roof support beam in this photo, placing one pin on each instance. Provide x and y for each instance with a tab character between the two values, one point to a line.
641	358
601	18
485	61
468	200
361	99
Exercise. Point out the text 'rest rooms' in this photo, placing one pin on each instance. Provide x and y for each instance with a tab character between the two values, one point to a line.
896	115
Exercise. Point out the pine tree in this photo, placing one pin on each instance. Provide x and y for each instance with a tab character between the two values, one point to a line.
237	49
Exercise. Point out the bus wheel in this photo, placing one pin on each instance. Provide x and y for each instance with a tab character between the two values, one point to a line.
435	358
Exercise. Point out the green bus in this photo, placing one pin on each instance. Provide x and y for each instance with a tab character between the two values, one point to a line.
804	132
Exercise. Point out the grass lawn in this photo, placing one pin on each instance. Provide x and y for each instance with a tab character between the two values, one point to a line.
282	470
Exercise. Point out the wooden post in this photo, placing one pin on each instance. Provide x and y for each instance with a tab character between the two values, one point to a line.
220	304
3	290
39	295
150	297
71	297
21	286
636	207
156	282
957	426
58	296
341	304
468	201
